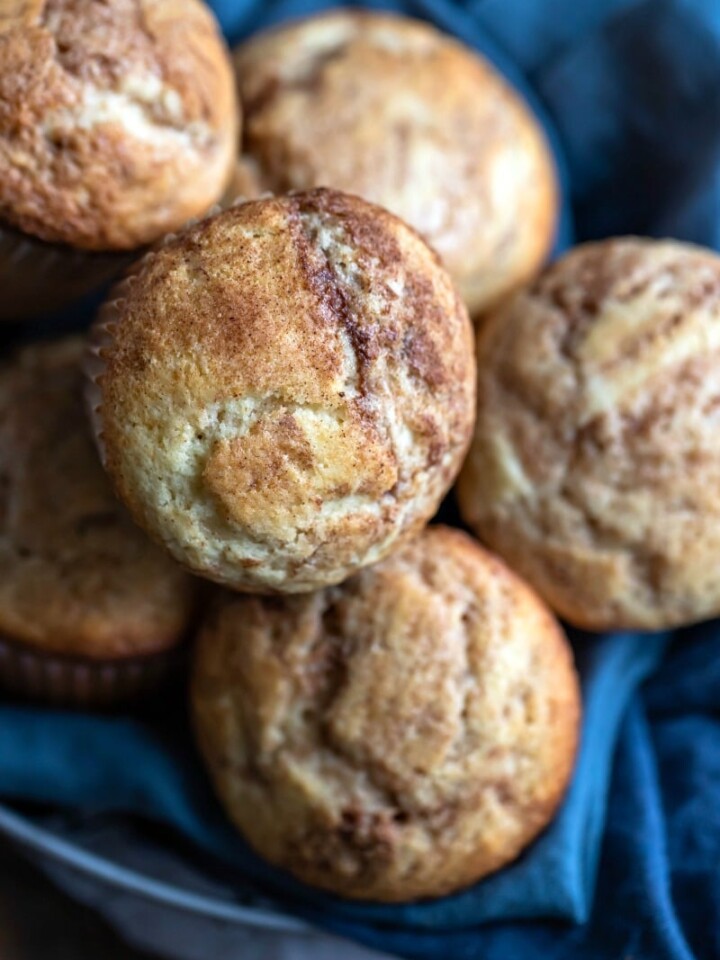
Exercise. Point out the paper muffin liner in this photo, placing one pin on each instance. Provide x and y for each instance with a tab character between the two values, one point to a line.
81	682
38	278
100	337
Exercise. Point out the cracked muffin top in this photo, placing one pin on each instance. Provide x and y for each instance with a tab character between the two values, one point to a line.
118	120
395	111
77	577
595	466
285	390
396	737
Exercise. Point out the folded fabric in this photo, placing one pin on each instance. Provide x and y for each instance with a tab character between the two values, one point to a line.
149	768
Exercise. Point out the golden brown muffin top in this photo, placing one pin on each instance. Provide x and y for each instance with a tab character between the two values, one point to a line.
76	576
118	120
595	468
285	390
396	737
393	110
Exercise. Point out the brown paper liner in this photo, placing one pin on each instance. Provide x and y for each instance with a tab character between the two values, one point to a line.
38	278
100	336
79	681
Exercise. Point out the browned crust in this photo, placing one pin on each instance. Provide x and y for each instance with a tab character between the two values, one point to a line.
393	110
118	121
595	467
77	578
286	390
397	737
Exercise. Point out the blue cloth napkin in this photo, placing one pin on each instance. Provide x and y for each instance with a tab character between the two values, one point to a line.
149	768
629	93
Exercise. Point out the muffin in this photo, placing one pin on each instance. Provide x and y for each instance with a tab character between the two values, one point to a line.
285	391
393	110
90	610
595	467
396	737
118	122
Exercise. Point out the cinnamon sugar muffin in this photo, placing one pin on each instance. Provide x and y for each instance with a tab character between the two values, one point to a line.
285	391
118	122
397	737
393	110
90	610
595	467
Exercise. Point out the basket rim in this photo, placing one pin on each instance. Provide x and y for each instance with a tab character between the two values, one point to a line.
44	843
